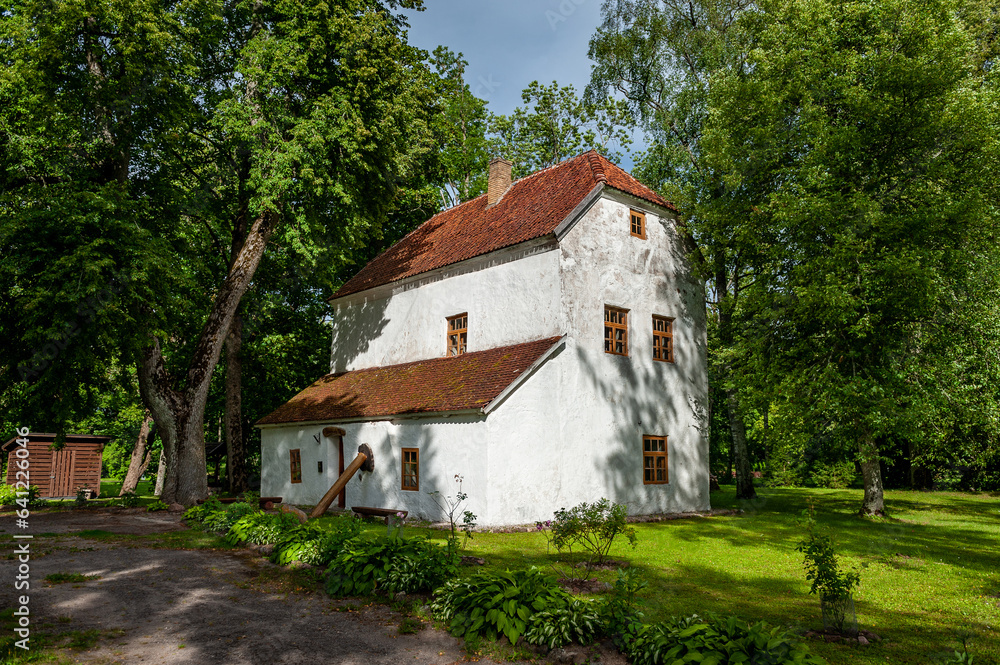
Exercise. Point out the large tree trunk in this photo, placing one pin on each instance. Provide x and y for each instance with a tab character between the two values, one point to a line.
180	413
871	471
236	469
141	455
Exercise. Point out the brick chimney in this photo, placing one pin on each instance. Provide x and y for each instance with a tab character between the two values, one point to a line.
499	180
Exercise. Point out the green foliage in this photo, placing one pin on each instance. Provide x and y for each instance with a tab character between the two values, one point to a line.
200	512
81	497
365	566
835	475
493	604
129	499
156	506
222	520
619	609
716	640
9	496
313	544
821	565
449	505
260	528
592	526
578	622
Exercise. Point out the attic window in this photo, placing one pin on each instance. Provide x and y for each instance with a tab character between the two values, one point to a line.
615	331
637	221
654	460
458	334
663	339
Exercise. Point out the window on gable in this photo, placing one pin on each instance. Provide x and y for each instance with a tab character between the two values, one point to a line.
663	339
637	223
654	460
458	334
615	331
411	469
295	462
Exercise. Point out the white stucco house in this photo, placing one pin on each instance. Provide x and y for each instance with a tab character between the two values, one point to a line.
546	341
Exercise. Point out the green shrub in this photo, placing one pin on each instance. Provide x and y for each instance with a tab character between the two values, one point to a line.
222	520
260	528
368	565
491	604
155	506
592	526
836	475
313	544
715	640
579	622
619	610
8	496
199	513
129	500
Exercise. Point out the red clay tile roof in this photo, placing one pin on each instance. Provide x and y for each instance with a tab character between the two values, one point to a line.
469	381
532	208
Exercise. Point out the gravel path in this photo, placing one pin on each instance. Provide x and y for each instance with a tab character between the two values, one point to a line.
199	607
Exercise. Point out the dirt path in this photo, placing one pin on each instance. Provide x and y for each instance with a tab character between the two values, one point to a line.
199	607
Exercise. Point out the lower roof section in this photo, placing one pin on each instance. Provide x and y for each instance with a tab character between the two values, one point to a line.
459	383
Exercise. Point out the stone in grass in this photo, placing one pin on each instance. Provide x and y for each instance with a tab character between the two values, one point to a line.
176	508
292	510
473	561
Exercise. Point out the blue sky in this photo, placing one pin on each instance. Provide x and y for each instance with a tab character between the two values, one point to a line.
510	43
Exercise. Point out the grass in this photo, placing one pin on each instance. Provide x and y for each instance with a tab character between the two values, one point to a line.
63	578
929	572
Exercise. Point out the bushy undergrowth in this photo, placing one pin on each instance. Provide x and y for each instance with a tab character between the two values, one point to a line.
314	545
260	528
492	604
223	520
715	640
368	565
580	621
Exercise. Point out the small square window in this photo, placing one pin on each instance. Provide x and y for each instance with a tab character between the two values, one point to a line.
663	339
295	462
458	334
615	331
411	469
654	460
637	224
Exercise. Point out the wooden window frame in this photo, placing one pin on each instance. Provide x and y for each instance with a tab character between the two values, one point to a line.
654	455
461	335
611	326
295	465
635	216
663	339
403	475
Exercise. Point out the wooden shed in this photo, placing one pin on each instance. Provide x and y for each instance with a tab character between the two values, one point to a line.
58	473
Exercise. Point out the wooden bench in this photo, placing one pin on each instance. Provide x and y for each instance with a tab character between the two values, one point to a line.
364	511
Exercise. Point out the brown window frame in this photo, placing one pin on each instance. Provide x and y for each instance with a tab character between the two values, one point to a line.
663	339
640	217
610	326
295	464
654	455
461	335
403	475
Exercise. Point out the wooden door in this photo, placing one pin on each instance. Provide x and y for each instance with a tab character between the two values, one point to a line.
61	474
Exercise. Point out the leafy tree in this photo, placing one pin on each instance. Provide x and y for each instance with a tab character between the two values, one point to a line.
135	135
661	57
860	141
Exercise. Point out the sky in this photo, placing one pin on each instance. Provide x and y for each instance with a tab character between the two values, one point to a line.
510	43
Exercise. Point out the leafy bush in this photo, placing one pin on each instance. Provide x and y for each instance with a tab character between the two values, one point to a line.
223	520
619	609
492	604
260	528
155	506
199	513
578	622
592	526
8	496
313	544
129	500
828	580
836	475
715	640
367	565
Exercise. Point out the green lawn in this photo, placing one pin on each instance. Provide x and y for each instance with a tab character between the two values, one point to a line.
927	573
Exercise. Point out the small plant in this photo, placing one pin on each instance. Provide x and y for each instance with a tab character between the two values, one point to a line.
829	582
63	578
578	622
368	565
222	520
82	496
394	525
450	506
592	526
129	500
314	545
619	610
199	513
260	528
156	506
492	604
